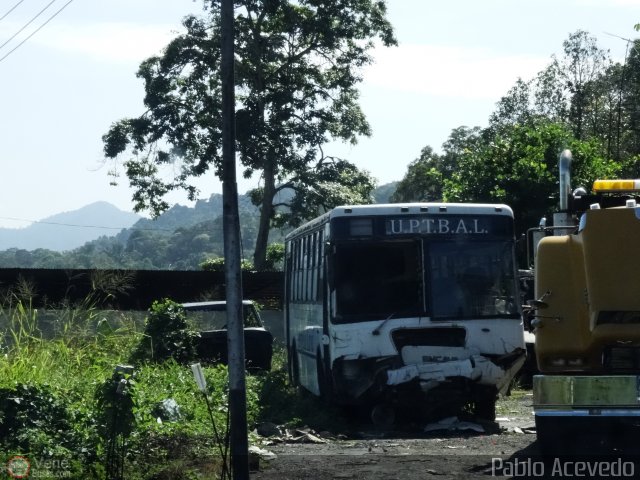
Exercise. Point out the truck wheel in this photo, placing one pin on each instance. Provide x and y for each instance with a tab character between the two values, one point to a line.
553	436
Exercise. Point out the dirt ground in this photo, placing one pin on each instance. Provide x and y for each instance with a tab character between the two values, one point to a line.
408	455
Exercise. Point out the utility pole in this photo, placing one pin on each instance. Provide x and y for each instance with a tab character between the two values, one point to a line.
231	226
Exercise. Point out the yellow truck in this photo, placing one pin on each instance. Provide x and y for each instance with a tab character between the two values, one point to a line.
587	314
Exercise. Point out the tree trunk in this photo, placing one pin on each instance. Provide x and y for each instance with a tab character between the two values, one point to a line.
266	212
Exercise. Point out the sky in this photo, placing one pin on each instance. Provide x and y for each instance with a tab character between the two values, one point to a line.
62	86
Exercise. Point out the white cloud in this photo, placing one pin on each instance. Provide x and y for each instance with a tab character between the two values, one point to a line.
450	71
608	3
111	42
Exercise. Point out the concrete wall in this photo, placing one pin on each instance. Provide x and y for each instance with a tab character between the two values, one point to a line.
274	322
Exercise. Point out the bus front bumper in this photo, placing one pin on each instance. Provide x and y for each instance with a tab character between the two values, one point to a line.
476	368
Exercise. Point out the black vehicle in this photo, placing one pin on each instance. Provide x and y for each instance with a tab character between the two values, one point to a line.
210	318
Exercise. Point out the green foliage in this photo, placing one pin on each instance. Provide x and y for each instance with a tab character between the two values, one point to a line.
37	421
297	67
282	404
275	257
68	395
423	180
517	165
581	101
328	184
115	404
217	265
166	335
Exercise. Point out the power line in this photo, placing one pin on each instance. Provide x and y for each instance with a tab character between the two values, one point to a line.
11	9
84	226
28	23
37	29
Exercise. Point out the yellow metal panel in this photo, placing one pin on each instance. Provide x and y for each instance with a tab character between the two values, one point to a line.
560	279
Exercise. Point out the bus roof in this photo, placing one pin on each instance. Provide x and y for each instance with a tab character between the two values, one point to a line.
405	209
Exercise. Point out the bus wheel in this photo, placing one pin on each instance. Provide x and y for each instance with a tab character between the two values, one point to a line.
295	367
383	415
323	383
485	405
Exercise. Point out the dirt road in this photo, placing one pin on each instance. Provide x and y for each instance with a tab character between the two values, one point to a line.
457	457
448	453
505	449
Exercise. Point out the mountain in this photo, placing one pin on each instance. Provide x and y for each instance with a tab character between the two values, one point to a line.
69	230
383	193
180	216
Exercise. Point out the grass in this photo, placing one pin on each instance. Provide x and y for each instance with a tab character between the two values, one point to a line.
54	409
518	403
57	397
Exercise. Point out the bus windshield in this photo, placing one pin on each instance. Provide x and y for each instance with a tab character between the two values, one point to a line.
378	279
417	277
471	279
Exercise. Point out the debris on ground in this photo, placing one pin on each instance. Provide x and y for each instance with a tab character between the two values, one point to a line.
276	434
453	423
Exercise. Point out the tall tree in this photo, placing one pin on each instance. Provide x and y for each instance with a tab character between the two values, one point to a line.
297	67
518	165
630	102
582	64
423	180
514	107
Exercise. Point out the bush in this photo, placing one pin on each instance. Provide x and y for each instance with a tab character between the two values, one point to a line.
36	422
217	265
166	335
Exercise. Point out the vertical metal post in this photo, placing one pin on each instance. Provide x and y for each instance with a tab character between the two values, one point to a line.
231	225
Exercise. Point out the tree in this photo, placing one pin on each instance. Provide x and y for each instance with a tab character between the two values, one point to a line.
275	256
519	166
583	63
514	107
297	67
423	180
630	102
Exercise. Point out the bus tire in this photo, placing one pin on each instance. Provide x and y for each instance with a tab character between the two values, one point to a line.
485	406
324	385
294	367
383	416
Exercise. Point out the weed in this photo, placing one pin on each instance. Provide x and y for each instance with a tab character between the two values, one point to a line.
52	391
166	335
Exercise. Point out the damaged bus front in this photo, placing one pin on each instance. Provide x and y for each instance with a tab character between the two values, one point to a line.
405	305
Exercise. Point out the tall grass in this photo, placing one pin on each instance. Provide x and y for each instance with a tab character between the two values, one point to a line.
71	363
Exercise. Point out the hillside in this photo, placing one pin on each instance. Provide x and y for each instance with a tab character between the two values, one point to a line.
69	230
179	239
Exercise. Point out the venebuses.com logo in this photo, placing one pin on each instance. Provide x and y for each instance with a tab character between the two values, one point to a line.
24	467
18	467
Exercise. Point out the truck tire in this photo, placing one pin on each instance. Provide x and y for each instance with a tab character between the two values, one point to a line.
552	435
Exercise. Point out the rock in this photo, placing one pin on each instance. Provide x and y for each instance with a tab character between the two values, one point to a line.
167	410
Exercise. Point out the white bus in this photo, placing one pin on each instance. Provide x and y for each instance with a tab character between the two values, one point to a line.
405	306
